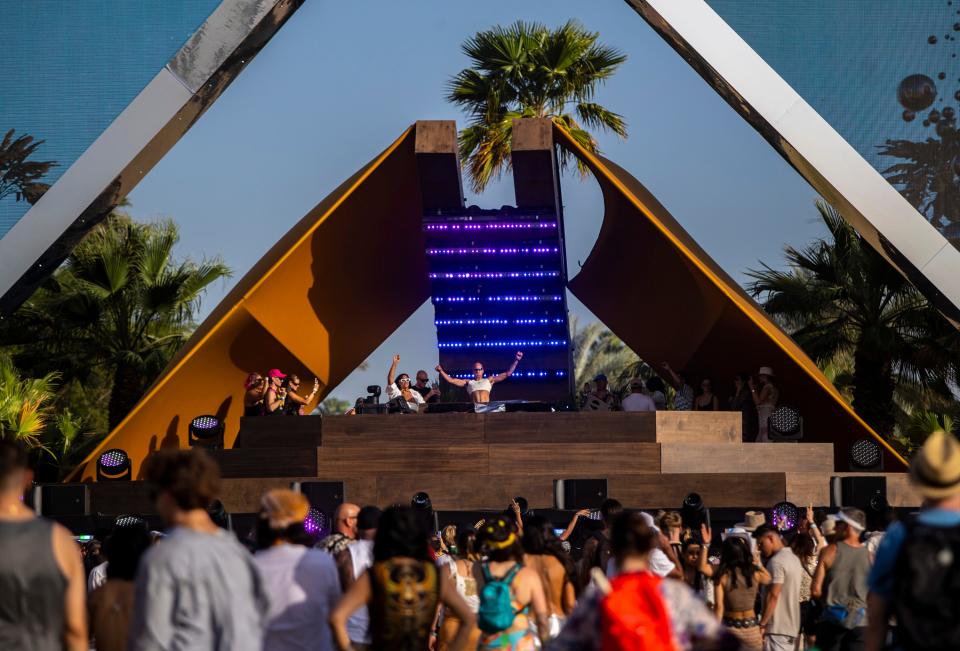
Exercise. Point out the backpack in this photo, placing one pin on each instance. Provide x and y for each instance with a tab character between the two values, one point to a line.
405	598
926	586
496	602
633	616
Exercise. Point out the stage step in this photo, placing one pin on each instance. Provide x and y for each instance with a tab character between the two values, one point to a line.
279	432
746	457
270	462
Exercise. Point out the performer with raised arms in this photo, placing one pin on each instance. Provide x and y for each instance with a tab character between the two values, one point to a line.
479	387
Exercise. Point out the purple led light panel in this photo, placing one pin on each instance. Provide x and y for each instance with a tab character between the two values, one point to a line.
466	275
537	250
113	459
205	422
491	226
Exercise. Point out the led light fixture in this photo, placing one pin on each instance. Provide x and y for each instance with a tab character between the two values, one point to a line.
129	521
494	275
501	322
316	523
114	465
866	454
533	343
514	250
491	226
785	516
206	431
530	375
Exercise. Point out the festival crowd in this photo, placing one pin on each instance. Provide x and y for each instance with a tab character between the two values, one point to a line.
512	582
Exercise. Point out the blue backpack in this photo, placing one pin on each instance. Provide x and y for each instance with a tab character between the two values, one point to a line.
496	603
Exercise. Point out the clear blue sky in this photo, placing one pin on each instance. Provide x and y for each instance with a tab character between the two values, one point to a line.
343	79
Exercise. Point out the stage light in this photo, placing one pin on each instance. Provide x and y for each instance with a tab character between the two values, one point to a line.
421	502
503	322
129	521
490	226
694	513
520	374
785	516
114	465
514	250
495	275
206	431
866	455
503	344
785	424
316	523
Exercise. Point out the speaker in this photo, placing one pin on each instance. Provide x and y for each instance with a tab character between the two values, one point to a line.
54	500
325	496
869	494
578	494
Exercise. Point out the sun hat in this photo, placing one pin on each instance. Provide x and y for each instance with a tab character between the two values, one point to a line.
935	470
752	520
275	372
283	507
765	370
852	517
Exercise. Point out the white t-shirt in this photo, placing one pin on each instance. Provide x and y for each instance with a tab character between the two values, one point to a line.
358	625
638	402
415	398
98	576
479	385
785	568
304	588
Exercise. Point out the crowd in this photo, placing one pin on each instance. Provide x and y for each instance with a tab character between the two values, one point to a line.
756	399
276	394
389	580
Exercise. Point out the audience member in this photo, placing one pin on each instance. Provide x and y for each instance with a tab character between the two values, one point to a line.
670	524
597	551
683	396
804	546
199	588
402	589
600	399
765	398
344	529
509	592
431	393
736	582
275	396
302	583
111	604
358	559
840	584
742	401
637	400
42	580
707	400
479	387
637	609
543	553
98	575
462	573
398	388
255	388
658	391
780	620
916	573
294	404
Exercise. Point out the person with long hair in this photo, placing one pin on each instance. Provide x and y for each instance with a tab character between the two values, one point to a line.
402	590
736	581
275	395
255	387
110	606
543	553
805	547
467	554
294	403
501	545
302	583
707	400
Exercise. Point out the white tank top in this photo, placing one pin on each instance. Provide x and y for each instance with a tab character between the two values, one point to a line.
478	385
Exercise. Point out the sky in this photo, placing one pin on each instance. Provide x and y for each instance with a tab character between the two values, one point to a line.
342	80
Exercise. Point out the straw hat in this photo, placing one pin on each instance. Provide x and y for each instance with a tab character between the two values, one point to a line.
935	470
283	507
752	520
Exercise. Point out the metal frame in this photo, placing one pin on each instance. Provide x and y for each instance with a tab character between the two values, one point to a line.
135	141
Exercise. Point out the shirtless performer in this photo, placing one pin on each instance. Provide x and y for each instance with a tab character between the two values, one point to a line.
479	387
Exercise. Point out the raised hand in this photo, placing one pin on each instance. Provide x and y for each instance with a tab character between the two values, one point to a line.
396	359
519	355
583	513
438	368
706	534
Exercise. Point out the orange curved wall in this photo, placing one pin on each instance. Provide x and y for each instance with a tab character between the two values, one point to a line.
660	292
317	304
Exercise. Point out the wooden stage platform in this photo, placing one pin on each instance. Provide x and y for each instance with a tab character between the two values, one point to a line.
481	461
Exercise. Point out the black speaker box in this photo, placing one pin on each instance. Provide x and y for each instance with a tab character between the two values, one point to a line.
325	496
54	500
864	493
579	493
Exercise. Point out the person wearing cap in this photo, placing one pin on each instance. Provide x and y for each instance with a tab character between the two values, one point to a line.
600	399
637	400
356	559
927	602
840	585
301	583
276	395
765	397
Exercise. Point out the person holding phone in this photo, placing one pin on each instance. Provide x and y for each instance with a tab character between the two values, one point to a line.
480	386
429	393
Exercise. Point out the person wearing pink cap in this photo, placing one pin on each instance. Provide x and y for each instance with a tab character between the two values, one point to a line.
276	394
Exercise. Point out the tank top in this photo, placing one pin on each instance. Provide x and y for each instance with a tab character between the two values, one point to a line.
740	598
479	385
32	587
845	584
405	597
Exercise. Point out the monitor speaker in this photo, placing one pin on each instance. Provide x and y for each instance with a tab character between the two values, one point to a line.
55	500
869	494
325	496
579	493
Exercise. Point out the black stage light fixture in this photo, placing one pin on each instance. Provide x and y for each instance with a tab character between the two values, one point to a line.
423	507
114	465
694	513
129	521
206	431
866	456
785	425
785	516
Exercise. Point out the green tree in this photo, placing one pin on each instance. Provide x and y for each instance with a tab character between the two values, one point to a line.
25	410
117	310
19	176
528	70
597	350
859	318
333	406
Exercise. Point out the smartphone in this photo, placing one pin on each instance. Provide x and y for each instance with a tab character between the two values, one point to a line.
558	532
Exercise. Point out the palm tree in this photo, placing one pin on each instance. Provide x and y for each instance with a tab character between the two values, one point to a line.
18	176
121	302
857	316
528	70
597	350
24	404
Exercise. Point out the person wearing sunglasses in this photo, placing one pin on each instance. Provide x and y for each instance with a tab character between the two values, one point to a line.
480	386
399	386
